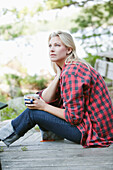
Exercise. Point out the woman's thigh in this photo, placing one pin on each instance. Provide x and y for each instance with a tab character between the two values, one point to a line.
45	120
57	125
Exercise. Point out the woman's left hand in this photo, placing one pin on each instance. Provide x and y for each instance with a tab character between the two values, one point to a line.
38	104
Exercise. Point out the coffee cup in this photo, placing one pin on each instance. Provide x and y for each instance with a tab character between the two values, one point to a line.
29	97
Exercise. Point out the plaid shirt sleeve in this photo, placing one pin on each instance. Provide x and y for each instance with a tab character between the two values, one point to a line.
75	83
87	104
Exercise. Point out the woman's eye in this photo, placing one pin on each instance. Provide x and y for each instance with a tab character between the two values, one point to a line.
57	45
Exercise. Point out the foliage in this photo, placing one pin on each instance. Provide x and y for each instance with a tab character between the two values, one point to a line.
94	27
34	82
55	4
11	31
24	148
14	82
10	113
20	24
29	80
1	149
17	84
37	128
96	15
42	83
12	77
3	96
91	58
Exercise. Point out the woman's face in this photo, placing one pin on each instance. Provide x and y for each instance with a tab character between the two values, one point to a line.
57	50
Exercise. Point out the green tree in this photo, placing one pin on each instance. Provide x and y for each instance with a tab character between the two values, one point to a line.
58	4
94	23
20	25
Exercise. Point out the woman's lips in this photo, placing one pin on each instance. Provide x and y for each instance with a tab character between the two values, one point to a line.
52	54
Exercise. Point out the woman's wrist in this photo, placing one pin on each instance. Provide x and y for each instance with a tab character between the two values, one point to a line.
45	107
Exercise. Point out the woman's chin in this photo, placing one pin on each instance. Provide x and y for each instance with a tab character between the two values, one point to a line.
53	60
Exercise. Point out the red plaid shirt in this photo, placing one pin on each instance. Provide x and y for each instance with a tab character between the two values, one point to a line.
85	97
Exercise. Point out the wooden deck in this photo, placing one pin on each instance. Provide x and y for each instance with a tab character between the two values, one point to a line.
62	155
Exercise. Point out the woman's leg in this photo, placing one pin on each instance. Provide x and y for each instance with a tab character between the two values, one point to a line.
29	118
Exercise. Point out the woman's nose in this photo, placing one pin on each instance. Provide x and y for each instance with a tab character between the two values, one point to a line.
52	48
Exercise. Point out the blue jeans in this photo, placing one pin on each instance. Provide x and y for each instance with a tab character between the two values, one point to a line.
46	121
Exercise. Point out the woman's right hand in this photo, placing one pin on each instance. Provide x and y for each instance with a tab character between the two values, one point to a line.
49	94
57	69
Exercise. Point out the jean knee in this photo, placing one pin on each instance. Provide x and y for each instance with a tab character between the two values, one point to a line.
34	115
25	116
24	122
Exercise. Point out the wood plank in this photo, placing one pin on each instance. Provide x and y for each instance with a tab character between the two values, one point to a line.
84	161
106	54
80	152
38	157
110	71
105	68
77	167
58	155
101	67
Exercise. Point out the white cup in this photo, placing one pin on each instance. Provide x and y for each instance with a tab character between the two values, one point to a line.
29	97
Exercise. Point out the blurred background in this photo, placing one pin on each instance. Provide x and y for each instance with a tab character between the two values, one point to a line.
24	29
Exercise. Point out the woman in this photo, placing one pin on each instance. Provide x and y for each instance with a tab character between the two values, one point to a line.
75	106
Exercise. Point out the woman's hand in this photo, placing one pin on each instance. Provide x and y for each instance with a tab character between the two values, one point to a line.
37	103
57	69
49	94
40	104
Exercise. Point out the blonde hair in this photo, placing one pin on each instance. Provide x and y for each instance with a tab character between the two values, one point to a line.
68	41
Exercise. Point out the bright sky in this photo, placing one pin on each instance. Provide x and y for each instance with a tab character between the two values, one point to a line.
18	3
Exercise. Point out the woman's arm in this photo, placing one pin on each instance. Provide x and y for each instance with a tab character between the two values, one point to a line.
54	111
49	93
40	104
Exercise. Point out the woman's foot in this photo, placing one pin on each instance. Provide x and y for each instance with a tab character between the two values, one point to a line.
8	135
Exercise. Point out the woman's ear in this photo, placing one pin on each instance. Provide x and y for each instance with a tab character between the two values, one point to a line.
69	50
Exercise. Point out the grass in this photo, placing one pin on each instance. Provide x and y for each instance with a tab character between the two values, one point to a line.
10	113
37	128
1	149
24	148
